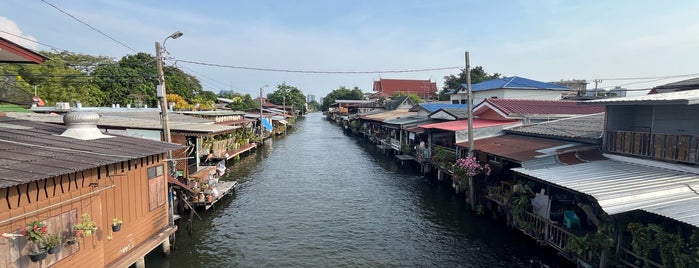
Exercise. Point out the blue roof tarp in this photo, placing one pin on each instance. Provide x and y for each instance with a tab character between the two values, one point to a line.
267	124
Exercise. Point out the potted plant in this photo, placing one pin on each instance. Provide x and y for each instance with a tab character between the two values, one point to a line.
53	243
116	225
72	240
36	234
85	226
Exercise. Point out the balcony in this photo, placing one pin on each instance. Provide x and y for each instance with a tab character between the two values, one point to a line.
659	146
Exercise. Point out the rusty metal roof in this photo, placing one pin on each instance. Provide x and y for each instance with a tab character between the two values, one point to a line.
522	148
32	151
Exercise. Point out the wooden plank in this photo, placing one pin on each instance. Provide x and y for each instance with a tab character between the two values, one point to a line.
637	141
140	250
683	143
628	138
658	143
670	147
618	141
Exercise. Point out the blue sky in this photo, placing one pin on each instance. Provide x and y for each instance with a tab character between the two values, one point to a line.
544	40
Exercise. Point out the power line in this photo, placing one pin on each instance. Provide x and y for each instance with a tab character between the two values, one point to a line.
313	71
651	77
90	26
33	41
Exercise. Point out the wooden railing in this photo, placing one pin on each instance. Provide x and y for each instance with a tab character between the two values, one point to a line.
395	144
552	234
548	233
631	259
681	148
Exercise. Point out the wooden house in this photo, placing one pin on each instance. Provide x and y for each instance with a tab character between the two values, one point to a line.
75	177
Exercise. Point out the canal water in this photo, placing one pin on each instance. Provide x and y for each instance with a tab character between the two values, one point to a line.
316	197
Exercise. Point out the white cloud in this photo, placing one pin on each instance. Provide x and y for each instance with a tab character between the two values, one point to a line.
15	34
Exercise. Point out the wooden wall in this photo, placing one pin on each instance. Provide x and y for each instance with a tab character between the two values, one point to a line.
119	190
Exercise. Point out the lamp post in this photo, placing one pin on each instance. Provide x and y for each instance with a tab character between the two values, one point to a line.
161	92
162	97
261	127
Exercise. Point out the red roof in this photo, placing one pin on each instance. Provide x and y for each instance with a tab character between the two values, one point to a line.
421	88
519	106
463	124
11	52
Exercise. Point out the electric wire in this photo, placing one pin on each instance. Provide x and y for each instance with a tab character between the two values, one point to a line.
90	26
315	71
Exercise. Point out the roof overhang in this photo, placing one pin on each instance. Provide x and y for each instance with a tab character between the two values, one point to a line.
14	53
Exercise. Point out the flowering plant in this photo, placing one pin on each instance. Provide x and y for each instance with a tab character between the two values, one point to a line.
85	226
469	166
35	231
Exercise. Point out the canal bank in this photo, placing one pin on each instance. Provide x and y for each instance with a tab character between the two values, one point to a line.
318	198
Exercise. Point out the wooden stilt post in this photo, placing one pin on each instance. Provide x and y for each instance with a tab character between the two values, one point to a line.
140	263
166	247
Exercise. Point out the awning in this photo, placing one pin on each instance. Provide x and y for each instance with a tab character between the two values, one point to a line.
174	181
622	186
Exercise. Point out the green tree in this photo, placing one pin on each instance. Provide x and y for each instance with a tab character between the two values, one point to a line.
313	106
56	81
288	95
132	79
412	96
240	102
183	84
478	74
342	93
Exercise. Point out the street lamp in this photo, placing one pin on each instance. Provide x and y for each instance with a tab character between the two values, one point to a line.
161	93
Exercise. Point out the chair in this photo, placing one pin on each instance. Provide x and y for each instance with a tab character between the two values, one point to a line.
570	219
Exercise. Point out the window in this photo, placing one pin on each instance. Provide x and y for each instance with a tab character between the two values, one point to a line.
156	187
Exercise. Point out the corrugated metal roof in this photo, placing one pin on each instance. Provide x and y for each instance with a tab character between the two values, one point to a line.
141	120
621	186
687	97
513	107
523	148
514	82
456	113
463	124
33	150
211	113
433	106
407	120
587	128
394	114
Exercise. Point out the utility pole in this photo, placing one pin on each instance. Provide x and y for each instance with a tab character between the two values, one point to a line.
596	81
469	96
162	95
